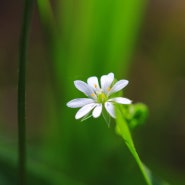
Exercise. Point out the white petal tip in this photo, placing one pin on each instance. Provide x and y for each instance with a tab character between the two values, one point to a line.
110	109
77	117
97	111
111	74
84	110
121	100
127	101
69	104
75	82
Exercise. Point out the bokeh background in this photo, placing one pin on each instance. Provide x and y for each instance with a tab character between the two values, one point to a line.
142	41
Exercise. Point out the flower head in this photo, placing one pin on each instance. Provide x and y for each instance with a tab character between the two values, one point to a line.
100	97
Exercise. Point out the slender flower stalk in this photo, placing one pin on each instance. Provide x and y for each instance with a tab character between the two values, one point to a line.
101	99
24	35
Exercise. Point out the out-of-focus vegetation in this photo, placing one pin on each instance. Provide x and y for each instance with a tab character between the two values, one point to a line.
142	41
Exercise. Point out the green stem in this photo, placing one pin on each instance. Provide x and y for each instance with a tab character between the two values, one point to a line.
123	130
24	35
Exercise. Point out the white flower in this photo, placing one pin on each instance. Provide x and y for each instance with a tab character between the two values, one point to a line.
99	96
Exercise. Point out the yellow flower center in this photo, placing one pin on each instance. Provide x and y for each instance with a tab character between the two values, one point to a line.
101	98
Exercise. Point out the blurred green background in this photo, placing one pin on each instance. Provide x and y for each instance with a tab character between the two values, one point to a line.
142	41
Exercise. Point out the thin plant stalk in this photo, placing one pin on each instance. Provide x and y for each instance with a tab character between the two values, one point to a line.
24	37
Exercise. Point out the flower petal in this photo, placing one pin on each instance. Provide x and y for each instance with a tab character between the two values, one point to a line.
120	100
106	81
110	109
97	111
85	88
84	110
79	102
119	85
93	82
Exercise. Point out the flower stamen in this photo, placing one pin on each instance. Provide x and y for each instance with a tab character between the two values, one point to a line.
93	95
108	89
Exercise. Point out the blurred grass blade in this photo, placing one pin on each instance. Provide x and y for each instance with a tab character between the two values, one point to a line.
21	90
99	33
53	41
38	172
126	19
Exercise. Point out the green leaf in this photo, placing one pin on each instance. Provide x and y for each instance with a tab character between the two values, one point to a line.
155	180
123	130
